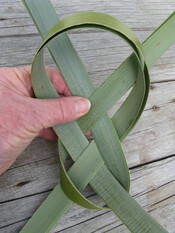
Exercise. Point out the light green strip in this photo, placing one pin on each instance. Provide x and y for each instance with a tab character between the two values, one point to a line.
112	24
135	218
63	55
68	22
57	203
70	182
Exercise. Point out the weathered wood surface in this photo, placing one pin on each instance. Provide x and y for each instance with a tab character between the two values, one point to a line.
149	148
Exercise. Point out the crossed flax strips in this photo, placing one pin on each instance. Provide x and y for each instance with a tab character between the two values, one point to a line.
108	175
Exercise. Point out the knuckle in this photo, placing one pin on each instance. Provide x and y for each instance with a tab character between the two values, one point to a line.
62	111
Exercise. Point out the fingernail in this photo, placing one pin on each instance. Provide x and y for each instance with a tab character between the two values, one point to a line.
82	106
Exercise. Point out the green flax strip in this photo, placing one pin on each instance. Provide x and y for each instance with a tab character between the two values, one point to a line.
111	191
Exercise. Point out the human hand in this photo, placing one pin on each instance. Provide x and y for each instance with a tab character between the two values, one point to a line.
23	117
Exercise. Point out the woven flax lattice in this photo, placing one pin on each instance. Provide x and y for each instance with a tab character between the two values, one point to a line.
100	163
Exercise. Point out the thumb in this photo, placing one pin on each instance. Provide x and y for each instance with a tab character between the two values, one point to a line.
57	111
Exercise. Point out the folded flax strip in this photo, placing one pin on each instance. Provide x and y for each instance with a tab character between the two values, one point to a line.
102	162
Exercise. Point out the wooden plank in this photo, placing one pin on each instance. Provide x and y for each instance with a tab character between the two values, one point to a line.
152	186
152	139
101	53
15	20
155	130
106	222
156	124
27	183
91	46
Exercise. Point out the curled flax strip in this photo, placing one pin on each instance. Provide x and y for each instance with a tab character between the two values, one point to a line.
100	163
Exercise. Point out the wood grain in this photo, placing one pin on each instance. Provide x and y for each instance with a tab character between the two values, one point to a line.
141	146
157	197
